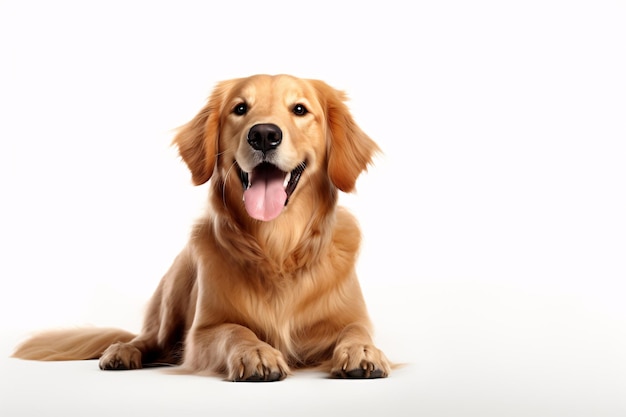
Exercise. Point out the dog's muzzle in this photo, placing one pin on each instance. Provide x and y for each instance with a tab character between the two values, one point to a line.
267	188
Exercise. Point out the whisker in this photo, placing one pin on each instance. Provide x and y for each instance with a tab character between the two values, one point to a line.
307	178
225	180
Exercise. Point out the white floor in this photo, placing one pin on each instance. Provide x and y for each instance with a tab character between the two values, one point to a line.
483	350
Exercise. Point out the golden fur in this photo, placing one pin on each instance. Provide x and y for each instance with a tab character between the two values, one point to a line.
250	299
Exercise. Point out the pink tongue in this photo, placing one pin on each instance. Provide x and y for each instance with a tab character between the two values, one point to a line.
266	197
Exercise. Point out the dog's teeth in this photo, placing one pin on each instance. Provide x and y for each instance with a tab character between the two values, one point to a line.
287	178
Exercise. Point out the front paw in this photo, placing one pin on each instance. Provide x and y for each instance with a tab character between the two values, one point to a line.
120	356
256	364
358	361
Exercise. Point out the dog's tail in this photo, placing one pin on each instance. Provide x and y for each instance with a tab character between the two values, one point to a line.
71	344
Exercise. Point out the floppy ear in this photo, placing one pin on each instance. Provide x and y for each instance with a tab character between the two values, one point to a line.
350	149
197	140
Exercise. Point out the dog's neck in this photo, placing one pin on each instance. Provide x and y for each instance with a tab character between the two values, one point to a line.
292	241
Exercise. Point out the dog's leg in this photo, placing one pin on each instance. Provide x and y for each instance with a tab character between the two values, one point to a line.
235	352
144	348
355	355
165	322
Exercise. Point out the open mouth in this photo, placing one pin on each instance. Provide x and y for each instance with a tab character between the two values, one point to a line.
266	190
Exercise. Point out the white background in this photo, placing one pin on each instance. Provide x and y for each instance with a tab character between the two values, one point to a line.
495	222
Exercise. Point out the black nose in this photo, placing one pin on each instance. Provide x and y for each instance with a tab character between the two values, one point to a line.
265	137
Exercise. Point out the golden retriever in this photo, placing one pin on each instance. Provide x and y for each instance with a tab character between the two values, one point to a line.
267	281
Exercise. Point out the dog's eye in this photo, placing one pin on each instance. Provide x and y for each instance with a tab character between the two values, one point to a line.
240	109
299	110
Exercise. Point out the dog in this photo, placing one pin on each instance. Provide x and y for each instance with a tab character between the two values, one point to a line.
267	281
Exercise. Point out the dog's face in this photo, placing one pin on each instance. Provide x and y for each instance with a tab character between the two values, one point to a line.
273	132
274	135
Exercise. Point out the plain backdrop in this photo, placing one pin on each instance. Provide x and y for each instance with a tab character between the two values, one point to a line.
494	253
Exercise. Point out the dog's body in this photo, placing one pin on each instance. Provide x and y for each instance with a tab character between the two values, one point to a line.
267	281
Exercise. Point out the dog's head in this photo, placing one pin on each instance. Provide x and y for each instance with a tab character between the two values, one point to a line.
273	138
